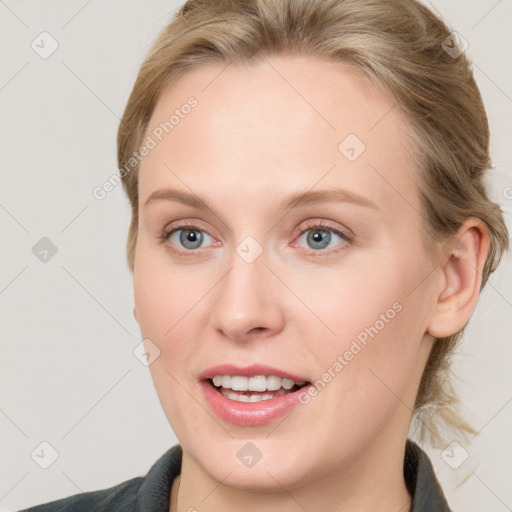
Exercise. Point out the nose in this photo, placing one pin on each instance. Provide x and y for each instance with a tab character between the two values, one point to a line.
248	302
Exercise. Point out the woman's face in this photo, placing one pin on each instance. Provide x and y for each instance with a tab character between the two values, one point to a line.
279	226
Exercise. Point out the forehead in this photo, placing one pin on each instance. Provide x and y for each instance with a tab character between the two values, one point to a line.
279	125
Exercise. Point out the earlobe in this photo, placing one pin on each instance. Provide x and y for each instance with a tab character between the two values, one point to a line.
462	279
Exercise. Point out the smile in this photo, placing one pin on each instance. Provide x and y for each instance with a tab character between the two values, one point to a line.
251	396
254	389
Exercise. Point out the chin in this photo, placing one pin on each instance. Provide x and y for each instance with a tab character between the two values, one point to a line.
257	465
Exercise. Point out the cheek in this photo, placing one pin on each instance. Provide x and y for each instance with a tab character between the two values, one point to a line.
352	298
367	364
164	297
169	313
166	315
376	316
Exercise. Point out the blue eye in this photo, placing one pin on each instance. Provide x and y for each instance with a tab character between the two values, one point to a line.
189	238
321	237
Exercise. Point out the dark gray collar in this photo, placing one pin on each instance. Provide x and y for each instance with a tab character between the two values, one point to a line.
421	481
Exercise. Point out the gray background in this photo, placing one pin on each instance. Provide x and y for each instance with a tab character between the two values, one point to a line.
68	373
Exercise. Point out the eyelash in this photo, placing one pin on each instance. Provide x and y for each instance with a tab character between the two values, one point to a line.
314	226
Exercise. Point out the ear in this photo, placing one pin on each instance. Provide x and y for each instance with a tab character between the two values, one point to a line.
459	287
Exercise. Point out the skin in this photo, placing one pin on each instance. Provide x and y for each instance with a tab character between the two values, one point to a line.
261	132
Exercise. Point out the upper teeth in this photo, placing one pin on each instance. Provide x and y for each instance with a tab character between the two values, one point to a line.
256	383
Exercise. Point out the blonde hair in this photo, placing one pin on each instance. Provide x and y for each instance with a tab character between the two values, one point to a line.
399	45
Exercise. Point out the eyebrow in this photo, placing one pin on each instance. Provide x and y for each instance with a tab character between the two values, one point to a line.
300	199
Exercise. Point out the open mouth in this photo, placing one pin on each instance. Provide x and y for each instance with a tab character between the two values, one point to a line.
254	389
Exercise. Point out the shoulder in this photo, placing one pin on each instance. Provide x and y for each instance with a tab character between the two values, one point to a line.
119	497
150	492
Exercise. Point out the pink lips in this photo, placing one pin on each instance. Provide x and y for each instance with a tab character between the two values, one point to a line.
249	413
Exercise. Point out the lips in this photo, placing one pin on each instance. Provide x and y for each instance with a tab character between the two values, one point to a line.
256	408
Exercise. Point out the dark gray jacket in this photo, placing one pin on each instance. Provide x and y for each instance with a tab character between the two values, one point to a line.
151	493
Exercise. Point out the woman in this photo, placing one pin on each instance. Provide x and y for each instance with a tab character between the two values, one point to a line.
310	233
